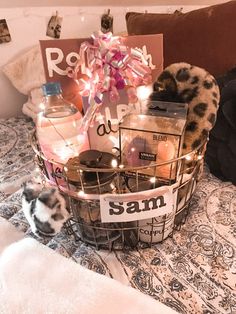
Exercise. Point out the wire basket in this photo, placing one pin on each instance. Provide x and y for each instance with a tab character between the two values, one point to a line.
83	201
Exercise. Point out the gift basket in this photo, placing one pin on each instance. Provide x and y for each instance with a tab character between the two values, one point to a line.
124	180
84	202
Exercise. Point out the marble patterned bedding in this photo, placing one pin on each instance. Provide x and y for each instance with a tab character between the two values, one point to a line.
192	272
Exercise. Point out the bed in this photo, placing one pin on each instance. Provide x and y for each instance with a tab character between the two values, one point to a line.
192	272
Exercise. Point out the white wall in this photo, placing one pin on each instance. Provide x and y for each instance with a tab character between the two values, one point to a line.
28	24
15	3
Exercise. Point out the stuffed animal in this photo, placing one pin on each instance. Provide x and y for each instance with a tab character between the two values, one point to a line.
44	208
182	82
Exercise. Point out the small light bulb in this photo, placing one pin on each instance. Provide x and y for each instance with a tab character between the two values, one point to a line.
41	106
188	157
133	149
81	193
199	157
63	153
87	86
121	166
153	180
112	186
114	163
143	92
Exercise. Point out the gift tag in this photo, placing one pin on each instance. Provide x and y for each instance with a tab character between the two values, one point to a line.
5	36
137	206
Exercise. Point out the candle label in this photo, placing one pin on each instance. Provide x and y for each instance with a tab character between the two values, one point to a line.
54	173
156	230
137	206
147	156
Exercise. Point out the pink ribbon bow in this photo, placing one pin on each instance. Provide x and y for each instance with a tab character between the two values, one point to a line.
107	65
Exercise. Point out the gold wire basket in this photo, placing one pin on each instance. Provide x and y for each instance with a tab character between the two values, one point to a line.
83	202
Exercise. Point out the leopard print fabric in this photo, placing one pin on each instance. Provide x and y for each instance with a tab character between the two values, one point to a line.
182	82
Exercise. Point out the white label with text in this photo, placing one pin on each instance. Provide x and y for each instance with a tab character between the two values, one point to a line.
137	206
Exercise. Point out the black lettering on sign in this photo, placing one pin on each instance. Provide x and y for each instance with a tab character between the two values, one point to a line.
151	203
151	232
133	207
102	129
119	208
159	137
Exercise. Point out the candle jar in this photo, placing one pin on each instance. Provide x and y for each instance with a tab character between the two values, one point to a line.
152	230
81	177
87	185
153	137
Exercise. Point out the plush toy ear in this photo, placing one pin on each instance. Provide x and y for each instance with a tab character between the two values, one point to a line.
165	88
167	81
31	190
29	193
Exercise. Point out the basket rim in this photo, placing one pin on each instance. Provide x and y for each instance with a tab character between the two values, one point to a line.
120	168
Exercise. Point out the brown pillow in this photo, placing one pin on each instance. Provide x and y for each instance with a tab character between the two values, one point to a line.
204	37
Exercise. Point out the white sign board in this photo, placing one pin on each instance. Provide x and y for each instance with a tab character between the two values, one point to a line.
137	206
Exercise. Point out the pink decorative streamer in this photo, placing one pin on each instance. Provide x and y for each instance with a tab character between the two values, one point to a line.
107	65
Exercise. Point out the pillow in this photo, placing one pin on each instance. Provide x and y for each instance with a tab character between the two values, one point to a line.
204	37
26	72
36	96
221	148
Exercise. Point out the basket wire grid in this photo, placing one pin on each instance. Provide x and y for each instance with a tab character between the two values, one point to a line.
85	222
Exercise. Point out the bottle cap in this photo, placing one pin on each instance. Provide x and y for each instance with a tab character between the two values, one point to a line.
52	88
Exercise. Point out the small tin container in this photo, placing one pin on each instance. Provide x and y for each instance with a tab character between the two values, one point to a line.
89	185
81	177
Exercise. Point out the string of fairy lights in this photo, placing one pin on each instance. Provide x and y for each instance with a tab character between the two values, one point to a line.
104	19
85	12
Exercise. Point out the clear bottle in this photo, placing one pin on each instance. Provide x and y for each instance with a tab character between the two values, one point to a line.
58	126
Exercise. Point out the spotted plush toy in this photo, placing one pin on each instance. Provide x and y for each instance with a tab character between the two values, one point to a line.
44	208
182	82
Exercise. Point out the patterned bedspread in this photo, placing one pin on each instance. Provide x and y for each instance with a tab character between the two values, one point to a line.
192	272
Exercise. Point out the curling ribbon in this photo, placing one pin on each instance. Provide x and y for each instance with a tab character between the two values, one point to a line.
106	65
